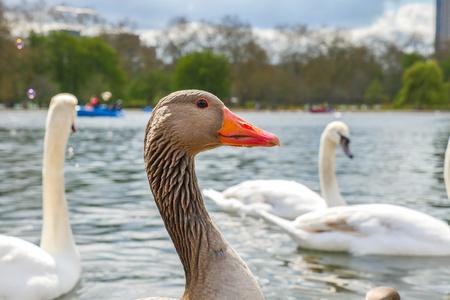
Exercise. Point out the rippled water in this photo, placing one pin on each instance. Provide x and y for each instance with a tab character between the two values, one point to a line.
127	253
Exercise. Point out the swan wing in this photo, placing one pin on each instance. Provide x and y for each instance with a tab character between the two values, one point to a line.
32	272
287	199
226	204
374	229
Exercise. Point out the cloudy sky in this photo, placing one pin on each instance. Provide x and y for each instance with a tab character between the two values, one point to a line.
362	17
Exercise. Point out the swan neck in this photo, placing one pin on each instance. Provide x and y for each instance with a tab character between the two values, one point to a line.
206	256
327	174
57	238
447	170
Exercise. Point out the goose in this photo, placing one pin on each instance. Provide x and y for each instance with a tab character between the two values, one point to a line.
382	293
51	270
371	229
182	125
289	199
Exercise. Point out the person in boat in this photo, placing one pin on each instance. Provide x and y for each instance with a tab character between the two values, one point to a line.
94	101
116	105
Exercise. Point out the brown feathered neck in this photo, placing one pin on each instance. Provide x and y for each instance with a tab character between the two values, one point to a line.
172	179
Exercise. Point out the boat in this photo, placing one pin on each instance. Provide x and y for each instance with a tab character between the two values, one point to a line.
148	109
99	111
321	109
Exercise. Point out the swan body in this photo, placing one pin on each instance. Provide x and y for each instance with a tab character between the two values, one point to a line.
53	269
279	197
182	125
289	199
371	229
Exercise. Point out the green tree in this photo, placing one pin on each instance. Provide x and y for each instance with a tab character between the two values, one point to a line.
82	66
9	54
445	66
423	86
375	93
135	58
35	67
335	70
410	59
389	57
101	63
203	70
149	87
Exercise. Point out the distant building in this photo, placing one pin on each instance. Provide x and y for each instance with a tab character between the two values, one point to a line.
442	37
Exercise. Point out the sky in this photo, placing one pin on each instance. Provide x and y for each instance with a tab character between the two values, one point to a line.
361	17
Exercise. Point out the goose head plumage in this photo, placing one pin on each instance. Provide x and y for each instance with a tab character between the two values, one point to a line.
196	121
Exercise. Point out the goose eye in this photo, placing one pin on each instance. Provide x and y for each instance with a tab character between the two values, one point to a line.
202	103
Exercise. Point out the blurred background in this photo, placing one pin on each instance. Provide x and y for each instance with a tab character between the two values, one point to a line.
382	67
267	55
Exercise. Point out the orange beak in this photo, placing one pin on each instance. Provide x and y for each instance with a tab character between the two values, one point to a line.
239	133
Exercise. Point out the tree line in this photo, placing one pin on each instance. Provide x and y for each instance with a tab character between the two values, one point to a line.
225	57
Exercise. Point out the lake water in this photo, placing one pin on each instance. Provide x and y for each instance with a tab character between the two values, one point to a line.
127	253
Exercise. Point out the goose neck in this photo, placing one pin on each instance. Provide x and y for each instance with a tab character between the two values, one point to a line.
211	265
174	186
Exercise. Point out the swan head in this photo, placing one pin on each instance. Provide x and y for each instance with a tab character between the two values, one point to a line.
338	133
62	113
196	121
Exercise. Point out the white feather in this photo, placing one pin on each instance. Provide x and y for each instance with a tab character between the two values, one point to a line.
371	229
285	198
46	272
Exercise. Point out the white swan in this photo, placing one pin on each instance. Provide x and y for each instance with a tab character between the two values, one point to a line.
289	199
46	272
371	229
